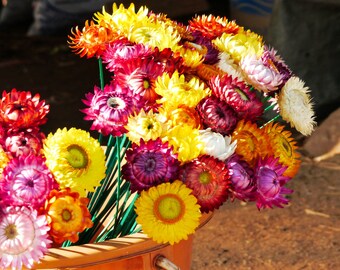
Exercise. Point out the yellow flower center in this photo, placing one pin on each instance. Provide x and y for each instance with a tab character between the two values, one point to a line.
66	215
205	177
77	157
11	231
169	208
146	84
241	94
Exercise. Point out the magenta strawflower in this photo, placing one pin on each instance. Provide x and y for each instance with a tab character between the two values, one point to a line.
26	180
23	142
238	95
109	109
243	184
23	237
150	164
122	50
208	177
270	183
217	115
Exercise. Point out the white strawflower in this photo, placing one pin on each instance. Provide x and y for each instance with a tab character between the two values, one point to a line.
217	145
296	106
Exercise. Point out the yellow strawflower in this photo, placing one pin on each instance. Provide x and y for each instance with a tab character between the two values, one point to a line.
176	90
168	212
76	159
240	45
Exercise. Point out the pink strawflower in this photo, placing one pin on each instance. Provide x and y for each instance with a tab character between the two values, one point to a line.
208	177
23	237
24	142
109	109
271	59
238	95
217	115
26	180
268	73
270	183
149	164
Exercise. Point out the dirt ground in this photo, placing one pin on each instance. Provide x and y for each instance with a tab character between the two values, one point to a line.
303	235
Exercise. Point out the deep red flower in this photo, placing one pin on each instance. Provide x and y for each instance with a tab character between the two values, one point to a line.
238	95
217	115
208	177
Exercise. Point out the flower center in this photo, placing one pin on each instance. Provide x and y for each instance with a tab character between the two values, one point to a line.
11	231
169	208
286	146
77	157
150	165
242	95
66	215
30	183
115	102
146	84
205	177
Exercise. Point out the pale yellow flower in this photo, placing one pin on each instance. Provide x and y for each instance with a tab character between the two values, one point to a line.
296	106
240	45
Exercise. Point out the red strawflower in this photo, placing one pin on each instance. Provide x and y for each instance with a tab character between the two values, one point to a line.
217	115
238	95
208	177
149	164
139	75
21	110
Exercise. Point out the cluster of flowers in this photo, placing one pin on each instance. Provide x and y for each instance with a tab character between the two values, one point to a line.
192	100
43	180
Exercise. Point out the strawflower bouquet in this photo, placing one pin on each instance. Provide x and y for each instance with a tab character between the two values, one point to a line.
192	116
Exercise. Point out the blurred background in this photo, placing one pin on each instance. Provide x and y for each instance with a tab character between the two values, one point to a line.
34	54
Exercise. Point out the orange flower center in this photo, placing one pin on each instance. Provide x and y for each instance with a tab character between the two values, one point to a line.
11	231
66	215
169	208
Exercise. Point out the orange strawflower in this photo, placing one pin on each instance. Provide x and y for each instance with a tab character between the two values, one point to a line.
284	147
92	39
252	142
67	215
